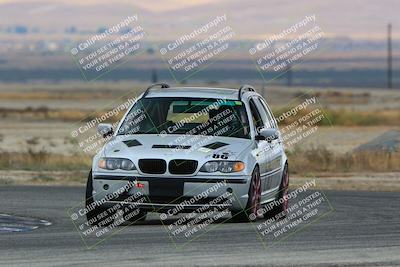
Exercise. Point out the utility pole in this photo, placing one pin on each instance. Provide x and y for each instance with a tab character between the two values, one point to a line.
263	89
389	59
154	78
289	76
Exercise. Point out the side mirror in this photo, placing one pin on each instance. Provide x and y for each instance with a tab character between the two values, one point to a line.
105	129
267	134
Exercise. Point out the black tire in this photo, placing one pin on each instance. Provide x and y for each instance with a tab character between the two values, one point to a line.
283	192
249	214
92	215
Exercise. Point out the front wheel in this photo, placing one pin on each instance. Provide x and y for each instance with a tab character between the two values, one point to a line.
253	203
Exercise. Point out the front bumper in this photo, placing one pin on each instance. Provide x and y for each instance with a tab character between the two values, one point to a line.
165	193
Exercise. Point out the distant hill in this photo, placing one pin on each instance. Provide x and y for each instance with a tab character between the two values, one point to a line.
249	19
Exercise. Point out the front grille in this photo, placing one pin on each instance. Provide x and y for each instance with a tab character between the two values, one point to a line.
182	166
153	166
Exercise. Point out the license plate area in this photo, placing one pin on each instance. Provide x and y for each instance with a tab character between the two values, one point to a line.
165	190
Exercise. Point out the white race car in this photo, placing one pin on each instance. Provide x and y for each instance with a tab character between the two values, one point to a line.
188	149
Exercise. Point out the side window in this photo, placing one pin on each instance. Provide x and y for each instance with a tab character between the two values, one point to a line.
270	115
267	120
257	120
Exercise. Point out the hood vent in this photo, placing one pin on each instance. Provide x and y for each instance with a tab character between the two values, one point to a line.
131	143
171	146
215	145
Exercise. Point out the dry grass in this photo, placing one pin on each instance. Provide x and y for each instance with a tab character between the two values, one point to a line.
345	117
46	114
363	118
319	159
337	97
339	109
43	160
41	177
47	95
113	91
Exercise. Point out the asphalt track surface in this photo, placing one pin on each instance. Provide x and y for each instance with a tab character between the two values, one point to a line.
363	230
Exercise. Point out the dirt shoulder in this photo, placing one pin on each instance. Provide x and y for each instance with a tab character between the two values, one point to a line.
388	181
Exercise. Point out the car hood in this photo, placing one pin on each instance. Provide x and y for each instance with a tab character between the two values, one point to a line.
168	147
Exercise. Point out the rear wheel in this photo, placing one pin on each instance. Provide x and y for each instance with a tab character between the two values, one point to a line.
96	215
282	195
253	203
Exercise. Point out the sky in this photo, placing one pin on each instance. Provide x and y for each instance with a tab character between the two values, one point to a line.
155	5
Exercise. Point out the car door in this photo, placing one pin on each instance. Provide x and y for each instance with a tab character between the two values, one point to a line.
267	152
276	152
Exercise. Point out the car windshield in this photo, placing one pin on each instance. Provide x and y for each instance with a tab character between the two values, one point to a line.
187	116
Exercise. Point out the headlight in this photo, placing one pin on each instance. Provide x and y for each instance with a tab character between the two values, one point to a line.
222	166
116	163
211	166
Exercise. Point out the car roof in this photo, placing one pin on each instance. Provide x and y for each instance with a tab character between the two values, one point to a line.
200	92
